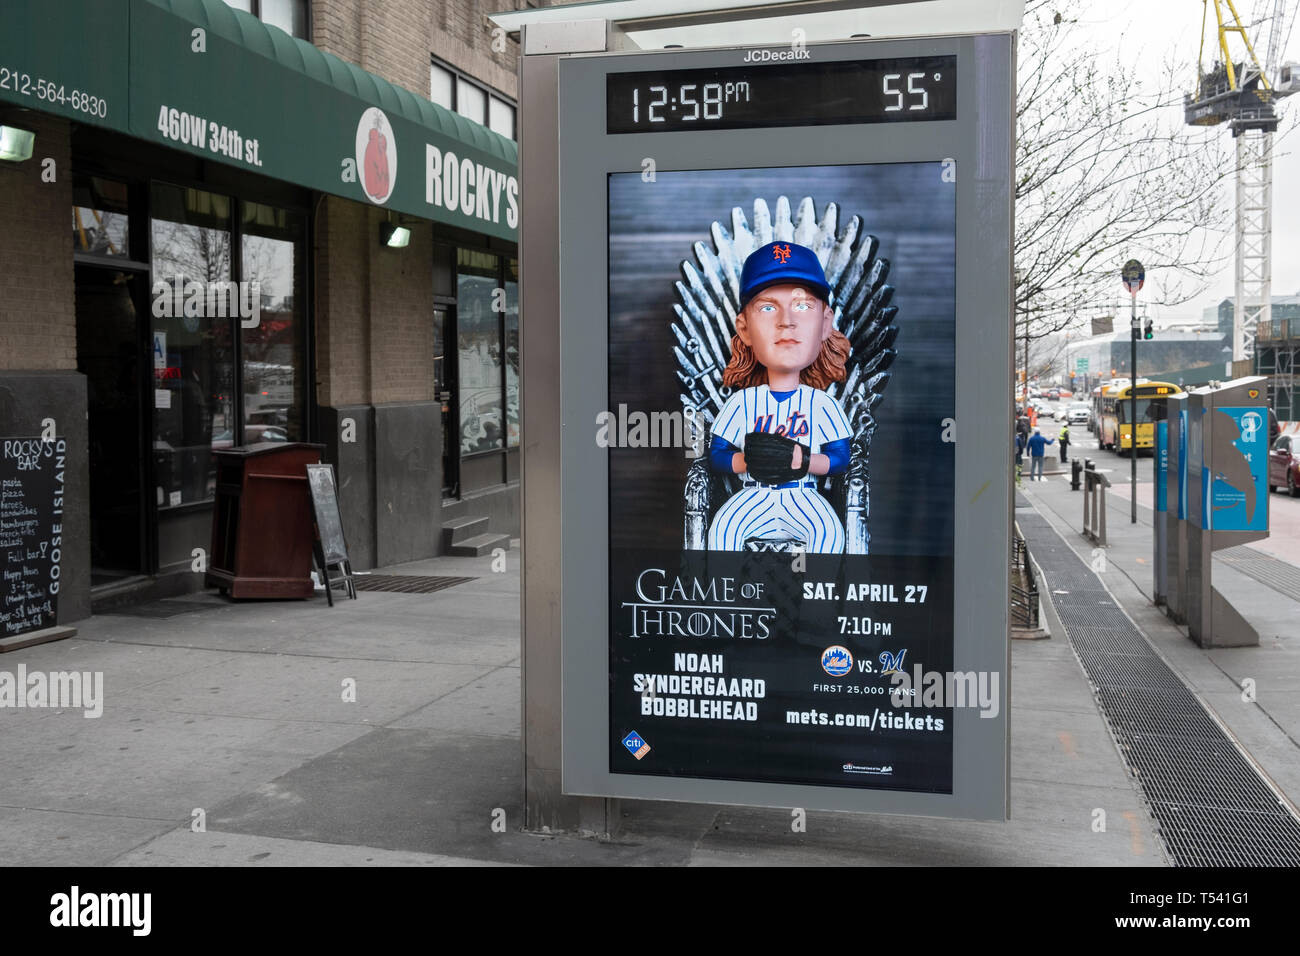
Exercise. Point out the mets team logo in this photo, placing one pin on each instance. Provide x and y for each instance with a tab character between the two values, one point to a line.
796	425
781	253
836	660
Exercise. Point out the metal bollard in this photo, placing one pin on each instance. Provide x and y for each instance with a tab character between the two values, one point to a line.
1094	503
1076	471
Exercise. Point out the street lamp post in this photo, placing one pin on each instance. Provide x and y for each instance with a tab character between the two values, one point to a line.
1025	312
1133	276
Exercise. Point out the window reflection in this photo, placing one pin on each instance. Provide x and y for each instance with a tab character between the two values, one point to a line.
273	256
193	395
479	345
99	217
512	354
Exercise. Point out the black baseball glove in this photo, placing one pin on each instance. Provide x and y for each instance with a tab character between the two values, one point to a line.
768	457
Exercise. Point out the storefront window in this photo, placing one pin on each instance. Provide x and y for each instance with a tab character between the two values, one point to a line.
512	352
99	217
193	317
273	255
478	320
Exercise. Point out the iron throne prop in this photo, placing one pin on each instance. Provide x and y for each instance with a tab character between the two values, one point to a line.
706	322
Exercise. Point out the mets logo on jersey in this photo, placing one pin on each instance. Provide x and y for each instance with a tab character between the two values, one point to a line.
796	426
781	253
637	747
836	660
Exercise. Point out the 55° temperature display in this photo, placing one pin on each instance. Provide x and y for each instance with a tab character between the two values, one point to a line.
803	94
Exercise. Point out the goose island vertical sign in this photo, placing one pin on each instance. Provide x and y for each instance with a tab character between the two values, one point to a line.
31	532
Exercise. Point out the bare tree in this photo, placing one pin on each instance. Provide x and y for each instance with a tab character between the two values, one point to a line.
1106	171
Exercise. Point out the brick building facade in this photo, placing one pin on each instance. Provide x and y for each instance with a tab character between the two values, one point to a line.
400	361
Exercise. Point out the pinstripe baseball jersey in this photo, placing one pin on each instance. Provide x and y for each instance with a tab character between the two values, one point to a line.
761	513
807	415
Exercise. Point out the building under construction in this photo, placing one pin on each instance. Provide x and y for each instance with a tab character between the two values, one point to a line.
1277	355
1243	93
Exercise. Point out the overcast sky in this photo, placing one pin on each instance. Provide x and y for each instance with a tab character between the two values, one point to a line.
1147	33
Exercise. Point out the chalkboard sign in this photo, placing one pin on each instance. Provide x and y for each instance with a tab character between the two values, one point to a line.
31	532
331	549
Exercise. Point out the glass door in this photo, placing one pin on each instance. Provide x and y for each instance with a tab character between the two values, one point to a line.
110	355
444	392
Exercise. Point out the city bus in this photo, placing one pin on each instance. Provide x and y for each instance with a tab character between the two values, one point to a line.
1113	431
1098	397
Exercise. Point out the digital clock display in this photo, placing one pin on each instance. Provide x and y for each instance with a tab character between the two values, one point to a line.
791	94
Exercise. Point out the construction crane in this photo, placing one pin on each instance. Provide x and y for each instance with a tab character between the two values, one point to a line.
1243	95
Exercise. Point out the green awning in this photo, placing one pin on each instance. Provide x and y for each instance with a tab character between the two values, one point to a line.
198	76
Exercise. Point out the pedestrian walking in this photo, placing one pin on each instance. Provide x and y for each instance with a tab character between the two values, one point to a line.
1063	439
1037	446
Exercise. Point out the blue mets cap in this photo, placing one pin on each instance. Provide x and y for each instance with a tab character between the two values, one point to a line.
781	263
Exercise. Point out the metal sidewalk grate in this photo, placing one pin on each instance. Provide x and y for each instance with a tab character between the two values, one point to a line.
1129	670
1212	807
1104	640
1264	568
406	583
1132	711
1225	837
1168	766
1088	611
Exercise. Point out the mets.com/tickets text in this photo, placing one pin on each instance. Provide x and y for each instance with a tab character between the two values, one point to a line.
878	719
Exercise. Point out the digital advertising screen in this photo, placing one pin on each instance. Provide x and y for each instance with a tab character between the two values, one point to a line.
779	626
782	323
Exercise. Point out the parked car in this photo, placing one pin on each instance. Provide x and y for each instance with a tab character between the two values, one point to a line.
261	433
1284	464
252	433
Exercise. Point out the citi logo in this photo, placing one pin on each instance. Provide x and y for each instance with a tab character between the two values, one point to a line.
766	56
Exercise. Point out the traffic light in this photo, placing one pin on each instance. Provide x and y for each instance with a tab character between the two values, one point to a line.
1147	333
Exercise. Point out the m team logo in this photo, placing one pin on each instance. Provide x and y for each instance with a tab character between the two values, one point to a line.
376	155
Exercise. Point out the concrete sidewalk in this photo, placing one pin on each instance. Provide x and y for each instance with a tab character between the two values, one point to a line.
235	714
1267	728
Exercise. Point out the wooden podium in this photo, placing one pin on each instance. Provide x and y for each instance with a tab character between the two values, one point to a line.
262	521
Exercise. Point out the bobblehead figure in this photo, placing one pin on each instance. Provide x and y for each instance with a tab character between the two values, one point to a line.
779	431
